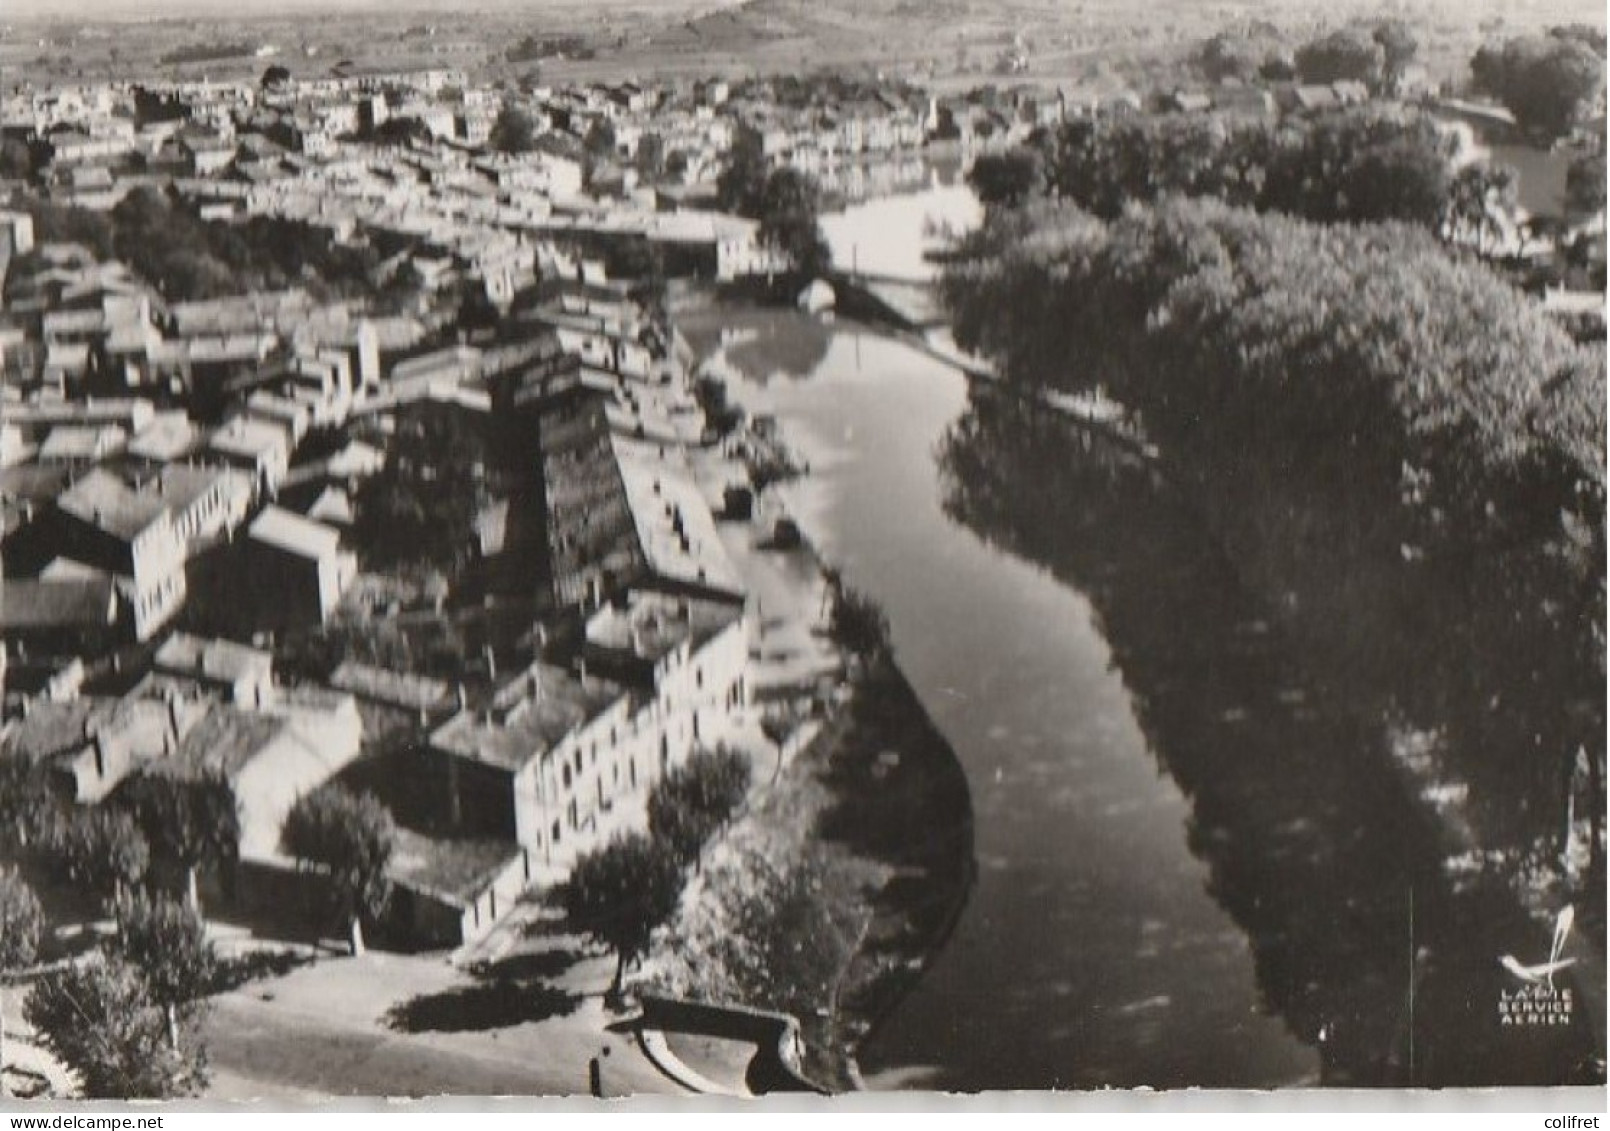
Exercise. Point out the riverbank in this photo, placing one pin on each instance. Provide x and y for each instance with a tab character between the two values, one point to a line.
845	871
829	894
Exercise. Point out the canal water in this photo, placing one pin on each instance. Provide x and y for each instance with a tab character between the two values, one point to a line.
1090	952
890	235
1189	871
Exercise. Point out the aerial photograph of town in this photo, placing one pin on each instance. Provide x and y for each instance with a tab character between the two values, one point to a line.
801	548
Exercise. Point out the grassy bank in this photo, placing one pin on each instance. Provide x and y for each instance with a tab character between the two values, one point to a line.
842	877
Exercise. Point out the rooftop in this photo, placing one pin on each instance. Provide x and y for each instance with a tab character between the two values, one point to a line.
220	660
226	740
458	870
74	442
107	503
30	603
651	625
294	534
674	525
529	716
181	484
169	436
401	689
246	437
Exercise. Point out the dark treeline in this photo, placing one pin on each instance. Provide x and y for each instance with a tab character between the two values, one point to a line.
786	201
1368	163
1547	81
1395	448
188	258
1313	842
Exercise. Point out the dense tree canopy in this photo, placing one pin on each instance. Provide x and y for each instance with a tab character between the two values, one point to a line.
620	893
1007	178
601	139
1230	56
1346	55
785	201
513	131
21	925
28	809
55	223
1547	81
1373	427
101	1020
1479	197
789	209
1585	183
99	850
16	159
400	131
649	160
191	821
420	508
858	624
1586	34
167	942
693	801
1399	46
190	258
187	257
742	179
21	922
351	837
1363	164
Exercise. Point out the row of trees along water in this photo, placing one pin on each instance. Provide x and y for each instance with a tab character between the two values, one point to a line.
620	893
1363	164
1396	448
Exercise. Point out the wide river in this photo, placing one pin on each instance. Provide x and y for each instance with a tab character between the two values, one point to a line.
1157	903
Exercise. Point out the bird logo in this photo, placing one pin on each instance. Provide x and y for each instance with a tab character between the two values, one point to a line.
1544	972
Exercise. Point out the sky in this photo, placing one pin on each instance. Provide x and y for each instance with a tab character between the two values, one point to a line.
146	9
1591	10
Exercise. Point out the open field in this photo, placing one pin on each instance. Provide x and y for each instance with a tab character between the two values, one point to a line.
947	43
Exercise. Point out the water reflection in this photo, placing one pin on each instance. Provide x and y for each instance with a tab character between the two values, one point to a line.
1089	952
1312	843
893	236
762	345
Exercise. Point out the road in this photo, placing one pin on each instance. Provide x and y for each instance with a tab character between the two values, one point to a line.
323	1030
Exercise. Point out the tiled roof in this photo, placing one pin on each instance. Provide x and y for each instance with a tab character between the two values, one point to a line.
104	501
